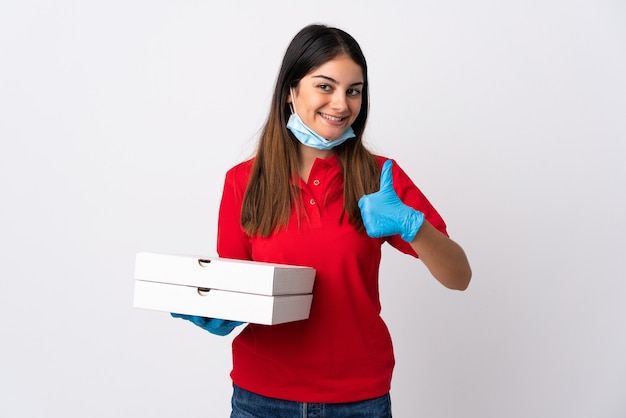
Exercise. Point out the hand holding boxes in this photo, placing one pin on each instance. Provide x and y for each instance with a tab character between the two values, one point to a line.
246	291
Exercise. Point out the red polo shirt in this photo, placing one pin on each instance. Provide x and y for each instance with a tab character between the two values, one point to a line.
343	352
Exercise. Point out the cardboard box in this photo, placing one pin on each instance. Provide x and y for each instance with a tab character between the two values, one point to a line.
224	274
247	291
236	306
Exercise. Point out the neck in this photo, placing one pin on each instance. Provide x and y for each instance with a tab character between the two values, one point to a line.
306	158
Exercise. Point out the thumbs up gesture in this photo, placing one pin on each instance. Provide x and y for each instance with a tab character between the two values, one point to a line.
384	214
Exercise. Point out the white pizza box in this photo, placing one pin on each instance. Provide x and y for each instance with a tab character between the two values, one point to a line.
224	274
214	303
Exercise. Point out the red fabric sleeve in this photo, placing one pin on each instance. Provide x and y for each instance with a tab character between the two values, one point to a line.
232	241
411	196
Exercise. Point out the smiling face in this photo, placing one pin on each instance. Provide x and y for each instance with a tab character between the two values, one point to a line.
328	99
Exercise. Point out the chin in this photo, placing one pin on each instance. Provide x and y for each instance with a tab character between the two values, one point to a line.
331	136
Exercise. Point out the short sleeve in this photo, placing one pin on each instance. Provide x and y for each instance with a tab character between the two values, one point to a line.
232	241
412	196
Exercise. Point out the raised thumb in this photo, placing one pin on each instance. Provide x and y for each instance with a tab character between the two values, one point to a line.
386	181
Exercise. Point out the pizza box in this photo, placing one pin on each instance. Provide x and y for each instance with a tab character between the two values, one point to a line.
224	274
223	304
246	291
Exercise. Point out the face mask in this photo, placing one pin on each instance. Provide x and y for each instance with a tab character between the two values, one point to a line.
308	137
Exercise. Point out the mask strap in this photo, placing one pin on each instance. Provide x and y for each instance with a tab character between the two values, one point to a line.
292	105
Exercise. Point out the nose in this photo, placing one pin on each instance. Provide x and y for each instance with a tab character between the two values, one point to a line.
339	101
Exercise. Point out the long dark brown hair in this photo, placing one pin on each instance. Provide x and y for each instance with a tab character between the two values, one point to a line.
270	196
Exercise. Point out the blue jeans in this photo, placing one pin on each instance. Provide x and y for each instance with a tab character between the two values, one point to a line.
250	405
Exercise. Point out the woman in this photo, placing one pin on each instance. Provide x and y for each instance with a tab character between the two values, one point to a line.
313	195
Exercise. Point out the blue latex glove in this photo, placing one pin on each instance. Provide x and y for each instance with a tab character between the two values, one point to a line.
213	325
384	213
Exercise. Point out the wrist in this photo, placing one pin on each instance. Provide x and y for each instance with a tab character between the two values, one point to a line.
412	223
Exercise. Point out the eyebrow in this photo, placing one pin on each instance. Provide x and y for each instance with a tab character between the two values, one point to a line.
325	77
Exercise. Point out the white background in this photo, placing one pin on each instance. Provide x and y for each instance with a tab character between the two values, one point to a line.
118	120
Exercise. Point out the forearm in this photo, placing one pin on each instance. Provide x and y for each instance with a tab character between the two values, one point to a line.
443	257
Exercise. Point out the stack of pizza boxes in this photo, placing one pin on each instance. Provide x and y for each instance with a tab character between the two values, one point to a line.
214	287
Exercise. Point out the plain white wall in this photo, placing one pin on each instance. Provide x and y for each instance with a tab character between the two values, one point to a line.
118	120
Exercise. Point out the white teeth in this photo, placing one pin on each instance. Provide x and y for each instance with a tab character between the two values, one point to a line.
333	118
